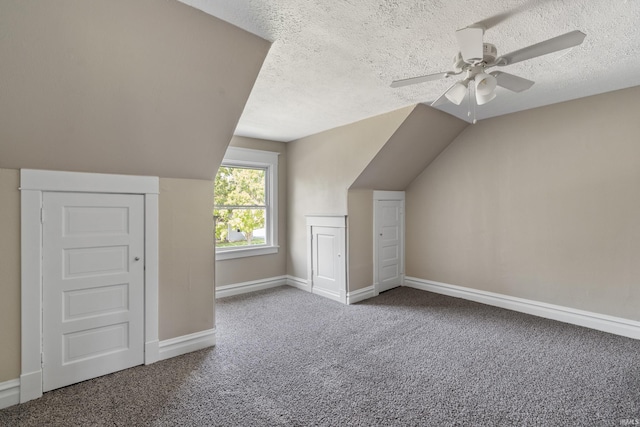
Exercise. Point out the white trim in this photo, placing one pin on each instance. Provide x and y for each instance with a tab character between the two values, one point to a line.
361	295
236	156
31	295
44	180
32	185
31	385
336	296
151	279
339	221
252	286
186	344
387	196
601	322
298	283
151	351
250	156
9	393
243	252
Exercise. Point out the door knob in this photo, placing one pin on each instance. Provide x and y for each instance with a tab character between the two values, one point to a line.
137	258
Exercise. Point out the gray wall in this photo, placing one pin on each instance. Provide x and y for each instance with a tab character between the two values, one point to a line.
9	274
543	204
360	236
139	87
420	138
320	170
186	267
131	87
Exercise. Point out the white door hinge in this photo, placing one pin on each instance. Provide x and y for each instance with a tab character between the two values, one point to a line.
42	215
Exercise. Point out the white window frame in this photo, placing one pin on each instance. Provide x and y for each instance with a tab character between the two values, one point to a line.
268	160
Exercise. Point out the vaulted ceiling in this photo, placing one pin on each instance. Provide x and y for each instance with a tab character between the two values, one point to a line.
332	61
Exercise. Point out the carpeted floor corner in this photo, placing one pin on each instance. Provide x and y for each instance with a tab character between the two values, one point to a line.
405	358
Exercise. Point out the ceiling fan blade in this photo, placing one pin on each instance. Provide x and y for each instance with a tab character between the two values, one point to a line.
470	42
555	44
494	20
511	82
443	98
422	79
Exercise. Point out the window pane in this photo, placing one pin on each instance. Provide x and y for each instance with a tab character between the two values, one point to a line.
240	227
240	187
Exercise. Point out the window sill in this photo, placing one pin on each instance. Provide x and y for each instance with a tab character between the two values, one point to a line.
245	252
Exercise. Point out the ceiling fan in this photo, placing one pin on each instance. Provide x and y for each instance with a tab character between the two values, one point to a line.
476	57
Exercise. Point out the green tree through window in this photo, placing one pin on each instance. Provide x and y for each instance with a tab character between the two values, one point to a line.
240	206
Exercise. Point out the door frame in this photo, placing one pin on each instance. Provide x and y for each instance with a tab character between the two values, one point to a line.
384	196
33	183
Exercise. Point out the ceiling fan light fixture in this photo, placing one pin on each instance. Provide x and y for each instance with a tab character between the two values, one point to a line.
485	84
483	99
457	92
475	57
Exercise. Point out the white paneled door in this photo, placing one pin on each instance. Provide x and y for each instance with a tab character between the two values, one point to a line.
327	274
390	243
93	285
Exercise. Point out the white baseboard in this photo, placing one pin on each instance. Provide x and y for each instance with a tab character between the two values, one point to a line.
352	297
9	393
304	285
361	295
254	285
186	344
151	352
601	322
335	296
299	283
30	386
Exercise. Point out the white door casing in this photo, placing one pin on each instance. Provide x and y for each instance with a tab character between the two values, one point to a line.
388	240
327	256
33	185
93	285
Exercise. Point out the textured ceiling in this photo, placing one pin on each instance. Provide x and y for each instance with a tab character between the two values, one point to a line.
332	61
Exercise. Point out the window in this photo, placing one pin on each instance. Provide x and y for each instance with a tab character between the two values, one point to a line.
245	206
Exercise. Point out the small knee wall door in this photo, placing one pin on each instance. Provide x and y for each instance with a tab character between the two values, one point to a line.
327	256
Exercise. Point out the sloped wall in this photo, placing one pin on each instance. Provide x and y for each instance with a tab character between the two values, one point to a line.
541	204
132	87
139	87
320	169
413	146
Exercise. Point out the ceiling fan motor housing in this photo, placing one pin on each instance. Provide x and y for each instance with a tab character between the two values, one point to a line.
489	53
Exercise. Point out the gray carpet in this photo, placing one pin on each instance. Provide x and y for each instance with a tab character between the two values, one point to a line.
405	358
